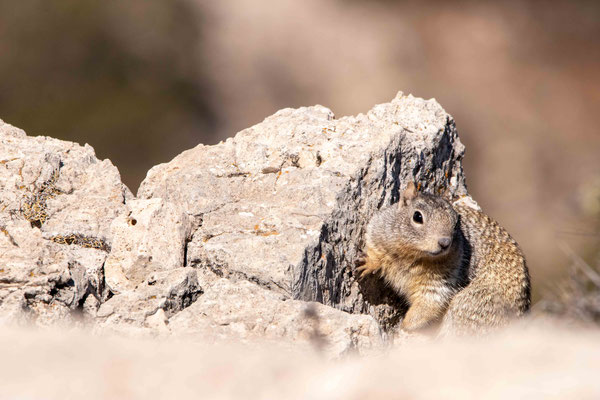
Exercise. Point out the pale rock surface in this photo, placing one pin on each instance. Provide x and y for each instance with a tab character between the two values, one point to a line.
149	237
56	205
249	312
253	239
284	204
146	309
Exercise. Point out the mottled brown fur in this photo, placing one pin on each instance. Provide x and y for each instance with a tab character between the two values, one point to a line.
499	286
479	281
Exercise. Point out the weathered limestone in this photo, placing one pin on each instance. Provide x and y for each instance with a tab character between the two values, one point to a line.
161	295
56	206
252	239
149	237
284	203
245	310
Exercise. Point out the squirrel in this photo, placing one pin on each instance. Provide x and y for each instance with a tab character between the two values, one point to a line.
454	265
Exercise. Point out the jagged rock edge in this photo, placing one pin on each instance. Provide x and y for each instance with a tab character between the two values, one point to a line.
305	274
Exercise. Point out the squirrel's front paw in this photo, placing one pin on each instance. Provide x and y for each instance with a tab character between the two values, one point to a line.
361	259
364	267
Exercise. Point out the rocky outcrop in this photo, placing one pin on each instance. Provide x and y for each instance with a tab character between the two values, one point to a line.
56	206
253	238
284	204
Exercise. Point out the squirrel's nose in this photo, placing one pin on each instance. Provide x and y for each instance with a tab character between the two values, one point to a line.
444	242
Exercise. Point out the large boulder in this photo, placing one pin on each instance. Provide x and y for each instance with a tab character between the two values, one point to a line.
284	204
254	238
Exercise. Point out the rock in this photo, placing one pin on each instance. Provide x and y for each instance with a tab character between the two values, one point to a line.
149	237
164	292
253	239
249	312
56	206
284	204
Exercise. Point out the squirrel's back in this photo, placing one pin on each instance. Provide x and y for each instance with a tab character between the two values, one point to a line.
498	287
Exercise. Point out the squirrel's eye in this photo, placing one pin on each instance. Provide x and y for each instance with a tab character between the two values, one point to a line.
418	217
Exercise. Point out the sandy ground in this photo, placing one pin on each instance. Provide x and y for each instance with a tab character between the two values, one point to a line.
541	360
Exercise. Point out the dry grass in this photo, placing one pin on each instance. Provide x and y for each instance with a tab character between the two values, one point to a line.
576	298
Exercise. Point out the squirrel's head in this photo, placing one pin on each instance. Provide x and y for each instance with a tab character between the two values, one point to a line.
428	222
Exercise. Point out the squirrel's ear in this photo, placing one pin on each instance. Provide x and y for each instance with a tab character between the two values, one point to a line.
409	193
446	193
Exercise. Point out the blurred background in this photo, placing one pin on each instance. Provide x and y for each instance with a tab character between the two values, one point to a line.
141	81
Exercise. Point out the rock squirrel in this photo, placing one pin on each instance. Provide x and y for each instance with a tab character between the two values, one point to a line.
452	263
